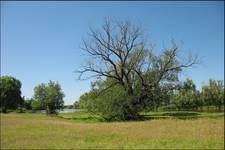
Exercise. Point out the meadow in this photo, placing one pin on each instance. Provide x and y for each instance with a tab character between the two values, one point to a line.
80	130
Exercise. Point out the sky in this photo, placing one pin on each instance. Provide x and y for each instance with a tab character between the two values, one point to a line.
40	41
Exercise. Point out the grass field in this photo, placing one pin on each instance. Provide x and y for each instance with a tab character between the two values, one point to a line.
79	130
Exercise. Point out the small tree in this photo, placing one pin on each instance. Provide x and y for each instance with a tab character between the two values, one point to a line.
213	93
27	104
199	101
40	95
48	96
36	105
10	97
54	98
188	96
185	101
188	86
76	105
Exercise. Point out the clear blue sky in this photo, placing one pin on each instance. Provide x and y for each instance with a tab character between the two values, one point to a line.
40	40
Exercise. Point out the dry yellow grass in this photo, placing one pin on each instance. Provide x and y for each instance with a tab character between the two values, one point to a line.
37	131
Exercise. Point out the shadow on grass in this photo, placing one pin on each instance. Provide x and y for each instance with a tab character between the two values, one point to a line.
183	115
172	115
83	119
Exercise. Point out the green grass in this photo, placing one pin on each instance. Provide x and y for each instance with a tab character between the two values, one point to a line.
87	118
182	115
80	130
82	117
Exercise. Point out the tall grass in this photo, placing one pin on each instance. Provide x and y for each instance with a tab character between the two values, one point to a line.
34	131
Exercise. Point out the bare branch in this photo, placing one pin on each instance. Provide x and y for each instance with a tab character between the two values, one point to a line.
120	53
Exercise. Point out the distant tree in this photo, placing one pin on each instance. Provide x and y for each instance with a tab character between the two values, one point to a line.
199	101
54	98
10	89
28	104
188	97
119	52
48	96
221	98
20	107
188	86
185	101
76	105
70	107
40	95
161	96
213	94
36	105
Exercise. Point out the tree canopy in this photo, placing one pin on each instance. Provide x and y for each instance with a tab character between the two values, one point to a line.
213	93
10	89
49	97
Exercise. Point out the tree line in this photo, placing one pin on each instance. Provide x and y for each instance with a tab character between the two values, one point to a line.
47	96
188	98
111	104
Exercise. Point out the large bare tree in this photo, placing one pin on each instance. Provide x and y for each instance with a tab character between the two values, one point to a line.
119	51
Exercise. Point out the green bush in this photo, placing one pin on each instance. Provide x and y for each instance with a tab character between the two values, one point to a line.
113	104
